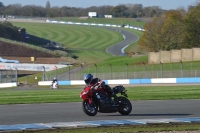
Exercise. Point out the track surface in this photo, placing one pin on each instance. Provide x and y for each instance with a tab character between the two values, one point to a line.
72	112
129	38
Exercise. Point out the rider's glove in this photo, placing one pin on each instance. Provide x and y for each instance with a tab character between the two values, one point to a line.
96	87
92	88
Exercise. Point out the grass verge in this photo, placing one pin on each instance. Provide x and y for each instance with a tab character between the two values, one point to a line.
71	94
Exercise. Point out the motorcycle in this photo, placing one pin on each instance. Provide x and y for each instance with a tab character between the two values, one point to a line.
98	100
54	85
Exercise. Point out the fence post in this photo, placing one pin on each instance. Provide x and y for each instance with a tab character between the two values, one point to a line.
6	76
161	69
16	75
68	71
11	74
134	73
81	73
110	71
56	72
43	73
181	68
127	70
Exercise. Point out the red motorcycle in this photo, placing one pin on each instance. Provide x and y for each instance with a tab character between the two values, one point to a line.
98	100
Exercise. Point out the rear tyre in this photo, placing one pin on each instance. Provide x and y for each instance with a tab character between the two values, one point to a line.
89	109
125	106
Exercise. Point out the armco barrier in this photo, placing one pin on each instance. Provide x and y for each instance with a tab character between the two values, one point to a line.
93	24
130	81
76	23
6	85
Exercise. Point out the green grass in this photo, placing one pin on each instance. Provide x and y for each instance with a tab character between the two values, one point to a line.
74	36
71	94
88	43
164	92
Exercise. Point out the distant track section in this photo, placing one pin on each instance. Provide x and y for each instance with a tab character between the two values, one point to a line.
118	49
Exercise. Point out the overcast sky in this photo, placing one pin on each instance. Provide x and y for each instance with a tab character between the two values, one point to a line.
164	4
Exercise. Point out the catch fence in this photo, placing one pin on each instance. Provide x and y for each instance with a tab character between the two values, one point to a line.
7	76
107	72
140	71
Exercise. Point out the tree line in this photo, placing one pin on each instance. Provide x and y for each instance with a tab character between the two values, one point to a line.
174	30
121	10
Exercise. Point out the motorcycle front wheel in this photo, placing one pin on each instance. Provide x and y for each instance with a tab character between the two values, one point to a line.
89	109
125	106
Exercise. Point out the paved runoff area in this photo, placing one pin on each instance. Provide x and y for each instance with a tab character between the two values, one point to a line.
99	123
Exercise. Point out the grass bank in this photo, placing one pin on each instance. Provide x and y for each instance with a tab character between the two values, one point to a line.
88	43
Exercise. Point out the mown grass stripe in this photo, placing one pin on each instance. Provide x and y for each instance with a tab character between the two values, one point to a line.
77	37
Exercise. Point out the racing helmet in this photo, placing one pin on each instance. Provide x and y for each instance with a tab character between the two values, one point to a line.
88	78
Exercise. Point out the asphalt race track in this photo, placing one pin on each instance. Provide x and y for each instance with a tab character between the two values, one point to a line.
129	38
72	112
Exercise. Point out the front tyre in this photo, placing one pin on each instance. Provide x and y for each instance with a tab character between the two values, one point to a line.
89	109
125	106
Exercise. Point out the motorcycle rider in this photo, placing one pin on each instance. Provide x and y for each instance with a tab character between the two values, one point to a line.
89	80
54	82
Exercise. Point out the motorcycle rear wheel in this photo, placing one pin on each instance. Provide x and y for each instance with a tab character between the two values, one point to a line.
125	106
89	109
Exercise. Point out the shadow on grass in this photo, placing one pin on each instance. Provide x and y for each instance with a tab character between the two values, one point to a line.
45	43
